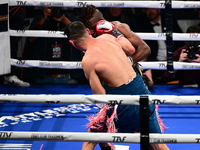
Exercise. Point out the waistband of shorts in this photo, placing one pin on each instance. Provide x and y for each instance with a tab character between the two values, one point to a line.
133	82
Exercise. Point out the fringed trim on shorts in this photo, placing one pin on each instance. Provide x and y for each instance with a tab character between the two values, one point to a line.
160	121
97	122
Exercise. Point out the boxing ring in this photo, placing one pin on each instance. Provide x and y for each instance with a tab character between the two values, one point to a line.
47	117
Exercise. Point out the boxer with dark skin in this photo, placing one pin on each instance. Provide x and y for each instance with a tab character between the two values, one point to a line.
90	15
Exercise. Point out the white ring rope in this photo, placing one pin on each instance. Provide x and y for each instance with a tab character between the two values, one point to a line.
128	4
46	64
159	65
99	137
92	99
144	36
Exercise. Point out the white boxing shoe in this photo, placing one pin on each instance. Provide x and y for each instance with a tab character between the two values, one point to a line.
14	81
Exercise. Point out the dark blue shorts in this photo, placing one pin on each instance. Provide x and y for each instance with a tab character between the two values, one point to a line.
129	115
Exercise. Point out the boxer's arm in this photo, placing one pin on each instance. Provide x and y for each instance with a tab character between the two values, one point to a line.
105	27
126	46
88	145
90	72
142	49
95	83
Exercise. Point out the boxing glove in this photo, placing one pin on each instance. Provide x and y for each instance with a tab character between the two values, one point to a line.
106	27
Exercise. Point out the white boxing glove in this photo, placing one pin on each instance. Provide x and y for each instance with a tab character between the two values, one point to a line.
103	26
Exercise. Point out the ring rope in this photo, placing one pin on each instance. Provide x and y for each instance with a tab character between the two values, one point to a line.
92	99
144	36
99	137
159	65
125	4
107	5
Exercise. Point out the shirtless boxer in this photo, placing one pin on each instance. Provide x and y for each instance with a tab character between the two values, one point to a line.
105	59
90	15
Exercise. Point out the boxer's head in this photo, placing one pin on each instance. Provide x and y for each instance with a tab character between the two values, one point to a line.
90	15
77	33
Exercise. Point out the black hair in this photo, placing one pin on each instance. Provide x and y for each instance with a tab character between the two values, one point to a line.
86	14
75	30
193	29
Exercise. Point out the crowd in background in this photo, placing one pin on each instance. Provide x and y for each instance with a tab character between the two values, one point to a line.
146	20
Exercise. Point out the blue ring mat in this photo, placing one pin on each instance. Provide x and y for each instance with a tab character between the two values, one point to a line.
181	119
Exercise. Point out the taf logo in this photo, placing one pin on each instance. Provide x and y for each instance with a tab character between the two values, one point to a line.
194	35
197	101
198	139
78	64
157	101
52	32
115	102
21	2
5	134
20	31
162	65
162	4
80	4
161	34
20	62
118	139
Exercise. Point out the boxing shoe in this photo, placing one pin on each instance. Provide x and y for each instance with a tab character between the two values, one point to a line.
14	81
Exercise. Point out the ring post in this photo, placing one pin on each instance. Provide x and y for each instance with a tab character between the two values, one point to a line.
169	39
144	123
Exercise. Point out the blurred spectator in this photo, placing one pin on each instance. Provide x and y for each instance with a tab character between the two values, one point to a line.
152	21
4	17
51	49
17	16
124	15
198	14
188	53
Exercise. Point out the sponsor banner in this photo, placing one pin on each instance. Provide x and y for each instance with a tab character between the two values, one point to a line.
185	4
128	4
162	65
164	140
37	33
36	136
174	138
171	99
144	36
159	65
73	99
100	137
186	37
46	64
72	136
94	99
